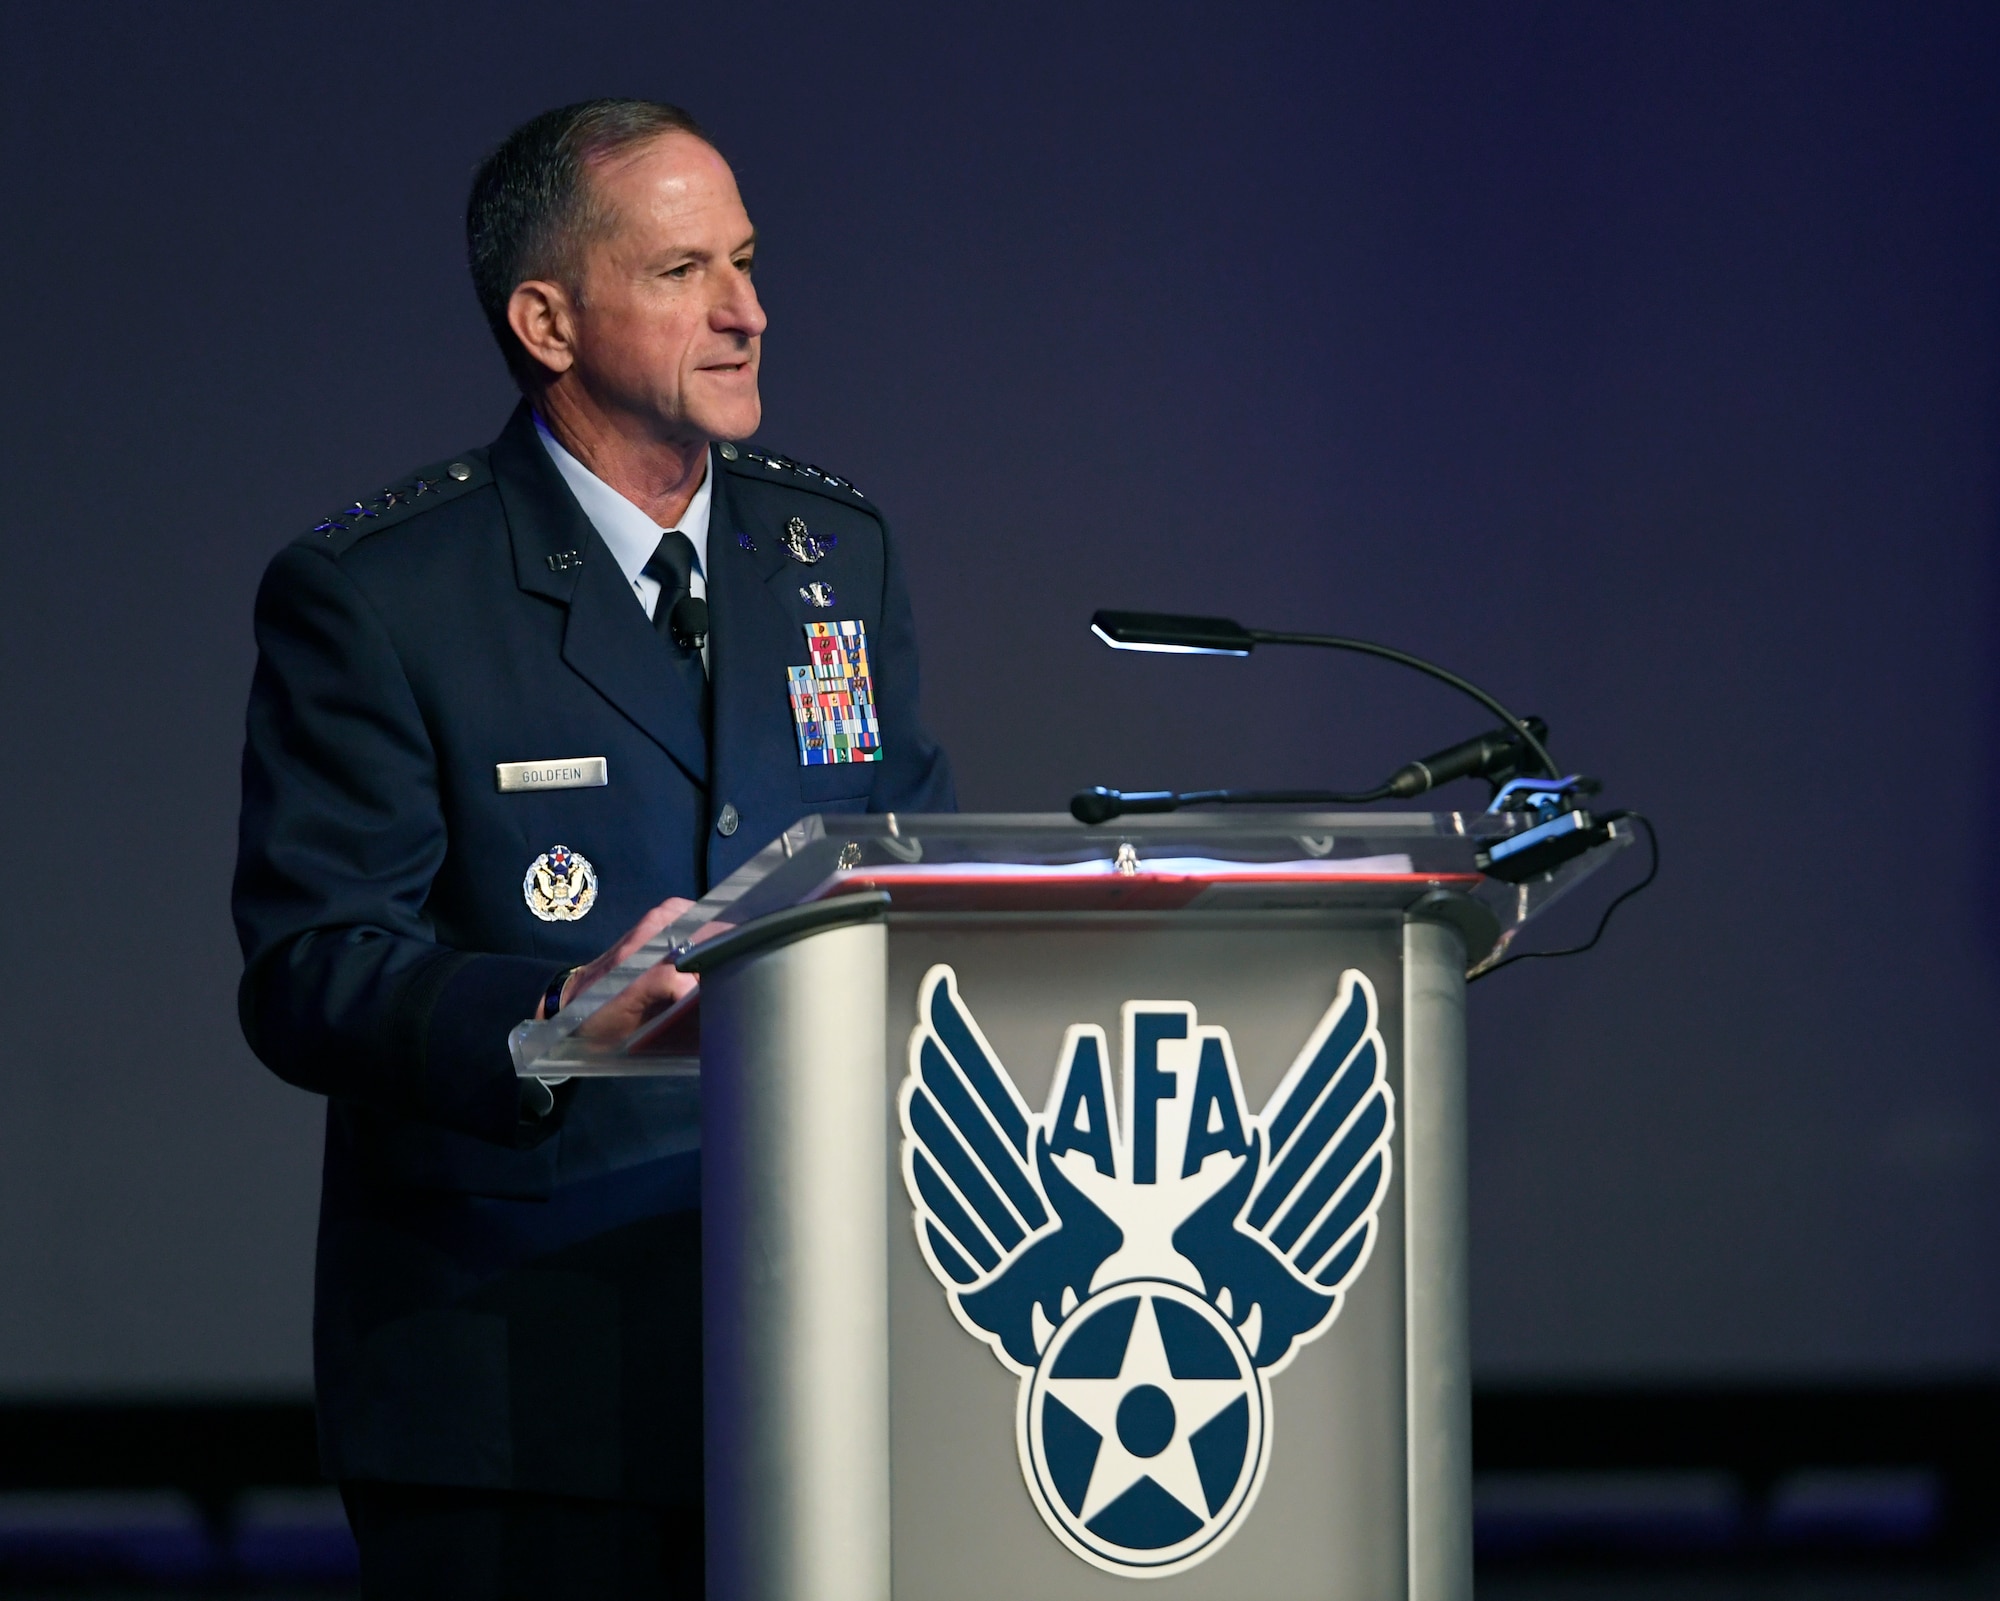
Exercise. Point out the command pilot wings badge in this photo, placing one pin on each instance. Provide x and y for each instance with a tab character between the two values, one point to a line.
1145	1263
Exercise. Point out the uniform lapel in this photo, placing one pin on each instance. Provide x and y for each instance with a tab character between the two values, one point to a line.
608	641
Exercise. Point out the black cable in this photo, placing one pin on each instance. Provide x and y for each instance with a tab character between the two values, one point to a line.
1265	636
1652	872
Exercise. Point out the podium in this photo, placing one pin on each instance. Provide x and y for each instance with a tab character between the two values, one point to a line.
1083	1205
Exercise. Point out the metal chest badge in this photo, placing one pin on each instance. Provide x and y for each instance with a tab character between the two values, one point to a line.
560	885
833	698
802	544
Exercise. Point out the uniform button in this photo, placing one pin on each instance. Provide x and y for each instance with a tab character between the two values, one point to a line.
727	823
459	470
728	451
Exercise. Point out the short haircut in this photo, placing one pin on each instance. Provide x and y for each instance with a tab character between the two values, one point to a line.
532	210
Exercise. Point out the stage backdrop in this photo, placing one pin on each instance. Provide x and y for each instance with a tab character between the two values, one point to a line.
1637	361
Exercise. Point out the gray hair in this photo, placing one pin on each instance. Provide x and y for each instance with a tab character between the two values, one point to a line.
532	209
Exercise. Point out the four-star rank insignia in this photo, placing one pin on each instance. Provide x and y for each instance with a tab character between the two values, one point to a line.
1145	1269
560	885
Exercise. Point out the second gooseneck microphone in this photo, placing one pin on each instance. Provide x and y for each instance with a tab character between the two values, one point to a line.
1496	754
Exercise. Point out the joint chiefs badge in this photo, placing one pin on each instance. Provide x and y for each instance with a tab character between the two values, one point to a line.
560	885
1145	1272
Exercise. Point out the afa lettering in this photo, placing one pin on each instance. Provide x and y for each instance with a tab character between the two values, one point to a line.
1214	1123
1151	1084
1083	1115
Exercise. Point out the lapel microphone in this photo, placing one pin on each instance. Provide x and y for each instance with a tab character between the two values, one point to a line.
688	622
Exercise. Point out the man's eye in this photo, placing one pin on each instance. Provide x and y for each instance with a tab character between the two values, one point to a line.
684	270
746	266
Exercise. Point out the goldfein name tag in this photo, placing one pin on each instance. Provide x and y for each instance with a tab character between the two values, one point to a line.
561	772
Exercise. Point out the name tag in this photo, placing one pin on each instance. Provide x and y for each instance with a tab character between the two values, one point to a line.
565	772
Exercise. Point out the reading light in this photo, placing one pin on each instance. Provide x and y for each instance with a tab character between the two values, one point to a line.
1177	636
1221	636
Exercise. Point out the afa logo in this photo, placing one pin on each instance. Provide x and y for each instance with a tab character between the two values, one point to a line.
1145	1262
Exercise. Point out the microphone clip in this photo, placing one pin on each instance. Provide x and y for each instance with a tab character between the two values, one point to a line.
1559	827
688	622
1545	797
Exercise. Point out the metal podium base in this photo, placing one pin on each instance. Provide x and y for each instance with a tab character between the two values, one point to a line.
885	1420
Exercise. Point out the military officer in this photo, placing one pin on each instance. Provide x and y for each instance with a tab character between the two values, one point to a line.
495	739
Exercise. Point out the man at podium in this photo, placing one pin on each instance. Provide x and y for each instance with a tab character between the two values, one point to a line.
507	708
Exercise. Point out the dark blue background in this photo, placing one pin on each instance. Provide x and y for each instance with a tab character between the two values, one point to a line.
1637	361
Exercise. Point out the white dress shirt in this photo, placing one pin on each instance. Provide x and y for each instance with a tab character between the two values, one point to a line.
630	533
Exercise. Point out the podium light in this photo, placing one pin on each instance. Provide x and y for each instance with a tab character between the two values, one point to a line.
1172	635
1224	636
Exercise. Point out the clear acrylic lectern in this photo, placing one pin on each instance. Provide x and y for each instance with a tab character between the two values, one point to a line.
1083	1205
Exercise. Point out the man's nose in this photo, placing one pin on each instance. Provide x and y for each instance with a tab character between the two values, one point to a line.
738	311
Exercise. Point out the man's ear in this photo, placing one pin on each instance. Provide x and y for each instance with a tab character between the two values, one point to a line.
544	320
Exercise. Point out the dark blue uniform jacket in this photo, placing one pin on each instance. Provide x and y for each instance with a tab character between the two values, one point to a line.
503	1303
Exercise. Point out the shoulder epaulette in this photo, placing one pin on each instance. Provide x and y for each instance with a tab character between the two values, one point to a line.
772	468
428	487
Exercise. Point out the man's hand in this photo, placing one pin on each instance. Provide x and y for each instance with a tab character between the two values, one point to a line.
651	993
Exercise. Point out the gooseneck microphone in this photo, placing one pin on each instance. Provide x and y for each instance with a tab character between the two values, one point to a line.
1496	755
1515	749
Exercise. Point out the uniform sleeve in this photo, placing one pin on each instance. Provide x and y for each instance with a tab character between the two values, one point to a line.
345	990
917	774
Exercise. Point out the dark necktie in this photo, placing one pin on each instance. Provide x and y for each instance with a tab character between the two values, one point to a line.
671	566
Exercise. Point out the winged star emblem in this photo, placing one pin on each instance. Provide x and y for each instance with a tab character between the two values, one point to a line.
1145	1262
